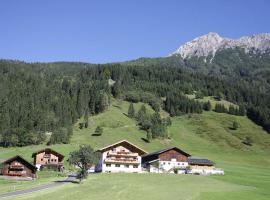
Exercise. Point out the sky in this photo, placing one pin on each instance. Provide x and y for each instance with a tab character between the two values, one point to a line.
102	31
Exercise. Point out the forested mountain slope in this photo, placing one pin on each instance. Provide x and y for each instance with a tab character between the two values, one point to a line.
36	98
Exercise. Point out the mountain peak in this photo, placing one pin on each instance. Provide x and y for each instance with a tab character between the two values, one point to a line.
210	43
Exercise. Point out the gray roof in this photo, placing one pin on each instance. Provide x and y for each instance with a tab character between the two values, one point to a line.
200	161
164	150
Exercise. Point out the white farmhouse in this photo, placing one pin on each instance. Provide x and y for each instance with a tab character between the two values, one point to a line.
122	156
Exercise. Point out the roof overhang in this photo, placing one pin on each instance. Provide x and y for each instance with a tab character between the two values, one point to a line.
126	144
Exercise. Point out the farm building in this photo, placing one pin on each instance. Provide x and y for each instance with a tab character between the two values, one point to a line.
48	158
18	166
202	166
122	156
166	160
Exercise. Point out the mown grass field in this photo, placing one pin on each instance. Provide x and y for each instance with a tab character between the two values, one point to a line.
247	168
12	185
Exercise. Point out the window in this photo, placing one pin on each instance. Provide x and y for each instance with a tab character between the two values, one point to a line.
178	163
135	166
164	163
117	165
126	166
108	165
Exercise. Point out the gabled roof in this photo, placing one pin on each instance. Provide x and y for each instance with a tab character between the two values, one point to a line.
165	150
19	158
200	161
126	144
49	150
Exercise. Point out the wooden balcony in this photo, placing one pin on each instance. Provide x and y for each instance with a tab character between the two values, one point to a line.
54	163
121	161
122	154
16	167
16	173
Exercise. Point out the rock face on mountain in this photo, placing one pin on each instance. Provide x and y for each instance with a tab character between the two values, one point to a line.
211	43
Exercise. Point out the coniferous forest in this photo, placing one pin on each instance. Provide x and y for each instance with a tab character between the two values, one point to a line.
40	98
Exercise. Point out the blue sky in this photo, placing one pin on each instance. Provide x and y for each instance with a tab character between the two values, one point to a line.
116	30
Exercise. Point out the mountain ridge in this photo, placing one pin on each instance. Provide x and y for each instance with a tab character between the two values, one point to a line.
212	42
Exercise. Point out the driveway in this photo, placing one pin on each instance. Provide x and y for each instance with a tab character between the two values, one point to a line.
70	179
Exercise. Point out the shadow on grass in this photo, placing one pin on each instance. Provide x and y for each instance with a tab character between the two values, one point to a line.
145	140
96	134
68	181
125	114
117	106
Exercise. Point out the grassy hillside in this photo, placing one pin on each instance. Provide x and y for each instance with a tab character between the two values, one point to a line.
207	135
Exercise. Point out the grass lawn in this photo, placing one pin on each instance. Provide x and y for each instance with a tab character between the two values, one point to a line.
13	185
209	135
139	186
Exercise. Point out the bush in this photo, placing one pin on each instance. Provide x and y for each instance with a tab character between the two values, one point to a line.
99	131
235	125
248	141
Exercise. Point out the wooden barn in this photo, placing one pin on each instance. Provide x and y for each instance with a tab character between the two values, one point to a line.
166	160
18	166
48	158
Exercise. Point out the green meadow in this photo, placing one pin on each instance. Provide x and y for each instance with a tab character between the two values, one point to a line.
209	135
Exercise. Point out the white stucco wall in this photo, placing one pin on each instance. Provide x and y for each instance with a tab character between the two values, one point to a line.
122	168
168	165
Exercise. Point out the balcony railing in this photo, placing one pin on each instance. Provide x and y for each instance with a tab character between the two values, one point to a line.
16	167
126	154
119	161
54	163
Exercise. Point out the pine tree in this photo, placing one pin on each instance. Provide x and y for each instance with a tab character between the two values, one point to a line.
86	120
149	136
242	110
131	111
207	106
235	125
141	114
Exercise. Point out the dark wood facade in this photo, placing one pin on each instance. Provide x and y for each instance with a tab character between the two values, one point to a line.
173	154
166	155
18	166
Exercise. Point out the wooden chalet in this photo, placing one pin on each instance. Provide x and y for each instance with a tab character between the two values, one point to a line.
165	160
48	158
18	166
122	156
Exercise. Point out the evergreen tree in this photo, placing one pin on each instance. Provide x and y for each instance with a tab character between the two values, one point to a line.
131	111
235	125
242	110
86	118
207	106
149	136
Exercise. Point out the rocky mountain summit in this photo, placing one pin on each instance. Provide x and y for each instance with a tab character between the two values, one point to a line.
210	43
